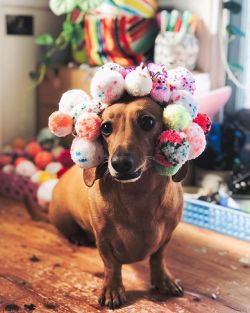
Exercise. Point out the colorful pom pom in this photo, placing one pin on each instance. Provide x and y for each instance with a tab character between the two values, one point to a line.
176	117
72	98
204	122
138	83
88	126
53	167
111	66
86	154
172	148
167	171
181	79
33	148
184	98
107	86
42	159
60	124
196	139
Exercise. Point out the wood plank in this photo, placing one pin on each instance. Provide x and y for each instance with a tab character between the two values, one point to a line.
38	266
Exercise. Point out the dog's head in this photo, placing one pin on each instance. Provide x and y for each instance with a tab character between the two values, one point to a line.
129	130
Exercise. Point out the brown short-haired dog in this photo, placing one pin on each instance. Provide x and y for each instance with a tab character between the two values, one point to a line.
129	208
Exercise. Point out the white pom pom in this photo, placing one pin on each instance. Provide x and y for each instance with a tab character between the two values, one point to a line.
111	66
185	98
72	98
138	83
53	167
86	154
181	79
26	168
107	86
44	192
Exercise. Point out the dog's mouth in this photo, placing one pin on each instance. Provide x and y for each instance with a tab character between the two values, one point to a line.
128	177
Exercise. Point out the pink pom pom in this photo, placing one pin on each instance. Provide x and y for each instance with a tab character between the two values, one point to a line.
88	126
181	79
204	122
196	139
60	124
160	91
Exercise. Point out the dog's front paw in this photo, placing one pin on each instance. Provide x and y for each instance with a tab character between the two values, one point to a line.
168	286
112	296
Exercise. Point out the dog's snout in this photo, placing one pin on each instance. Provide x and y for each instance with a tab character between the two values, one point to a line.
122	163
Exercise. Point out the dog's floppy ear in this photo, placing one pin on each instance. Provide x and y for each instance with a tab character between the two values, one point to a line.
181	174
90	175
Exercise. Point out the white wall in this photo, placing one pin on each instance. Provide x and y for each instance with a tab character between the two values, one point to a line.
18	57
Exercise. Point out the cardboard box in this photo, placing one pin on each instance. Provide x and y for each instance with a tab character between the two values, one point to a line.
59	79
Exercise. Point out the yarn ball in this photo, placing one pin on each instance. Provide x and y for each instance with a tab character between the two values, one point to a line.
57	151
156	69
46	139
72	98
182	79
61	172
160	91
172	148
88	126
33	148
8	168
138	83
19	160
26	168
86	154
107	86
44	192
124	71
18	143
175	116
166	171
65	158
204	122
5	160
53	167
93	106
43	176
184	98
60	123
42	159
196	139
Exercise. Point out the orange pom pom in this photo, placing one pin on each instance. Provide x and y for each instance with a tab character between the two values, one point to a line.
33	148
60	124
42	159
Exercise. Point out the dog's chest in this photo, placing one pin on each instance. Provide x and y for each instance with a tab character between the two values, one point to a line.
135	242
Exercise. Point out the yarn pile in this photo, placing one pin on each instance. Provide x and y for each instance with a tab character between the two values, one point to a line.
183	137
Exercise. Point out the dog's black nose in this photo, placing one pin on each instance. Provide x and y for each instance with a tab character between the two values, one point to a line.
122	163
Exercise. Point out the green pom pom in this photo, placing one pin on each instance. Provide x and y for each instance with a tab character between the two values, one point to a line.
176	117
167	171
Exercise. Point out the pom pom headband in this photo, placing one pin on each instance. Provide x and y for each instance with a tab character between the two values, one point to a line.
184	135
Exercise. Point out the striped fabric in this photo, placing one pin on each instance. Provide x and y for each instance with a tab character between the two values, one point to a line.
123	39
143	8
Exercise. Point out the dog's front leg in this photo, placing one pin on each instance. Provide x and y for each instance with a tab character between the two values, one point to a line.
113	292
161	278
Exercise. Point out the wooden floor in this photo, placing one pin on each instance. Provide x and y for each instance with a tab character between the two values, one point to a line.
42	272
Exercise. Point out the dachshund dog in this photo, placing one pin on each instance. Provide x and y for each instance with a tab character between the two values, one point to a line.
130	209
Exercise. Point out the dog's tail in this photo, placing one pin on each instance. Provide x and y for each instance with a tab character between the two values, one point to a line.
35	212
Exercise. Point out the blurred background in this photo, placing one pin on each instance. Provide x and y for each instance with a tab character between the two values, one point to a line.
49	47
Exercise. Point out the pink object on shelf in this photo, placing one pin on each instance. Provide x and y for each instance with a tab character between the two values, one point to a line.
211	102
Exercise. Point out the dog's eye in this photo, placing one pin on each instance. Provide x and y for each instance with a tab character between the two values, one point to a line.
146	122
107	129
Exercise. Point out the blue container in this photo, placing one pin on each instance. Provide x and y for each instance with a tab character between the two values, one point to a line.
215	217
